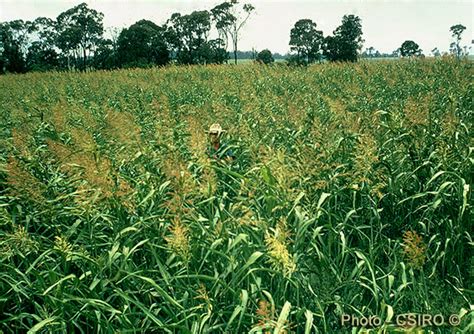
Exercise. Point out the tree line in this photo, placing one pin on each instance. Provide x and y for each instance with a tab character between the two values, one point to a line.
76	40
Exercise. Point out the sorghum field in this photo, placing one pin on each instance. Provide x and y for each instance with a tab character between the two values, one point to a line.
350	194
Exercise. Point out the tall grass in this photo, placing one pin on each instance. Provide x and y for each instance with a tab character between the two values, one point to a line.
350	194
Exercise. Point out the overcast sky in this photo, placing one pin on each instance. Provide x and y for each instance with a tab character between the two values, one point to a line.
385	24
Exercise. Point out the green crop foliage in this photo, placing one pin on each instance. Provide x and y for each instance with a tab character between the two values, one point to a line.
350	194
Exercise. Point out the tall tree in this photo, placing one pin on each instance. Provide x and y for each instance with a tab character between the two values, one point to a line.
2	63
212	52
188	35
79	30
14	42
410	48
114	34
106	53
222	16
42	55
265	57
46	31
456	31
230	17
142	44
306	40
40	58
346	40
5	46
20	32
371	51
105	56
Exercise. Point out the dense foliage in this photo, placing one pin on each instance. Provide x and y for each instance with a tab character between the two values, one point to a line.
351	193
77	40
409	49
265	57
346	41
306	41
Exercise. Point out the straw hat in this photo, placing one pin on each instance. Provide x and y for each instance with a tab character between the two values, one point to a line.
216	128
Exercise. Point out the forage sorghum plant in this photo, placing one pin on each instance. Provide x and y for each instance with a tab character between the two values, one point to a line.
414	249
266	316
178	239
277	249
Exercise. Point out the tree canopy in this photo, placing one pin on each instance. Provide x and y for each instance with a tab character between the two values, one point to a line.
142	44
13	40
456	31
79	30
410	48
230	17
77	40
306	40
346	40
265	57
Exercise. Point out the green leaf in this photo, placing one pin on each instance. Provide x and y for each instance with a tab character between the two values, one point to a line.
145	310
238	239
309	322
321	200
285	312
267	176
389	313
465	191
41	324
372	274
239	309
58	282
148	196
160	290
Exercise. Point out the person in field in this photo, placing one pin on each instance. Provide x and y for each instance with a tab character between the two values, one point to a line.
217	150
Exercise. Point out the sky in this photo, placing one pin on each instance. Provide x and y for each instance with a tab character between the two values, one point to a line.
385	24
